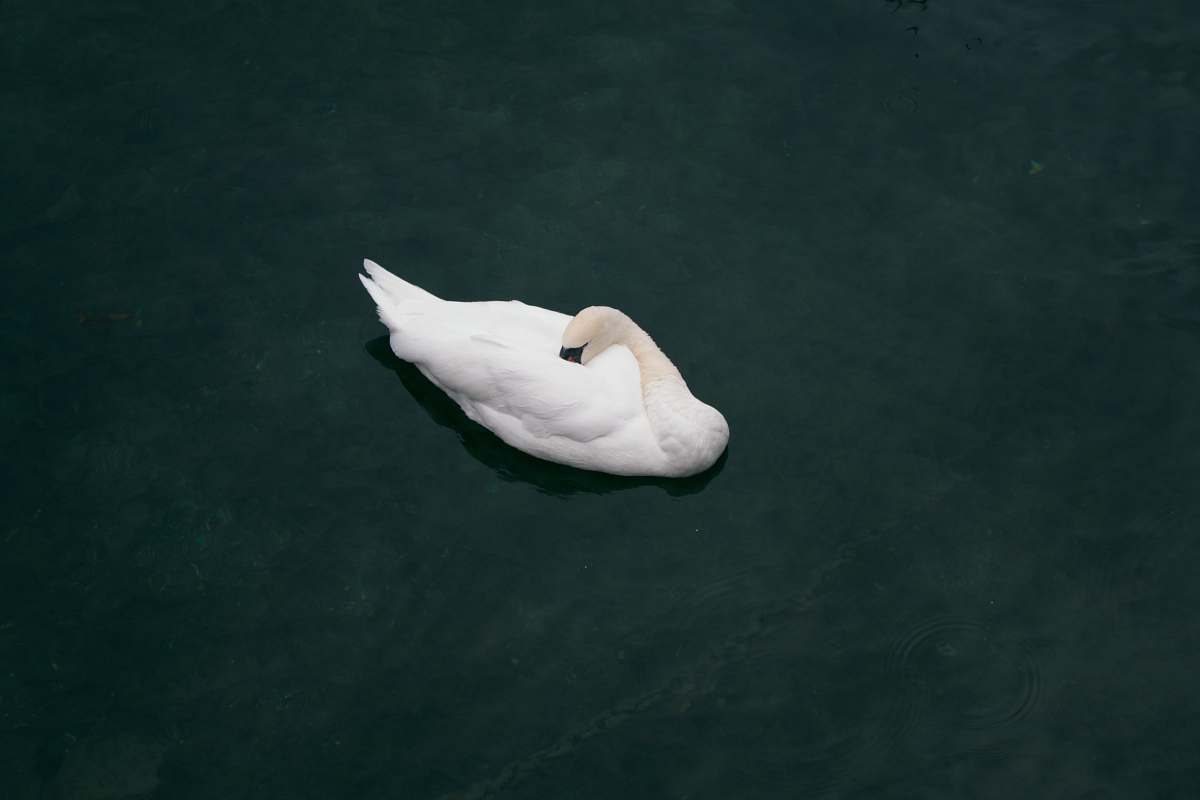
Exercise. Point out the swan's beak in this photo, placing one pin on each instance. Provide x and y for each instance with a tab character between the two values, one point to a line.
572	354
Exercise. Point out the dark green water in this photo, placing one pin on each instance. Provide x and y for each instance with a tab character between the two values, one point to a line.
944	282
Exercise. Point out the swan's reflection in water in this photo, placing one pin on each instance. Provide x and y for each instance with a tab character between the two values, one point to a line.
511	464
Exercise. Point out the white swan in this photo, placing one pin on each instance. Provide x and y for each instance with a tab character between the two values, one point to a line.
593	392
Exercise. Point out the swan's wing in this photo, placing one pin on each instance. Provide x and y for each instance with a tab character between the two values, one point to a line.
405	307
518	324
414	323
521	394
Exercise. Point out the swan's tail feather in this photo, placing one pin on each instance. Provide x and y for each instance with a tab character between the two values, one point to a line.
399	289
388	313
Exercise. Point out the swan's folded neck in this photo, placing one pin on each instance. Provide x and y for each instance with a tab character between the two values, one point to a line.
656	368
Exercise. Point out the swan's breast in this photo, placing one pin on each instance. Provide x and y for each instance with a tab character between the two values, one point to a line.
691	433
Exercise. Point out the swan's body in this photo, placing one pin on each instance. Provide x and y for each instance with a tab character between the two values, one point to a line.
625	409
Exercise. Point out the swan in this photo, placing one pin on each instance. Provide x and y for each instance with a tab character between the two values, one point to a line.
593	391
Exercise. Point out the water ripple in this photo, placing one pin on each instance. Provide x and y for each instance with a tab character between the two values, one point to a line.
960	669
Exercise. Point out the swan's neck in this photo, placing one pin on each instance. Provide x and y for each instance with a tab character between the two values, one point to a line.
655	367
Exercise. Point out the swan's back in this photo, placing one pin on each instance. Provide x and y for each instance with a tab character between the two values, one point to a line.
419	320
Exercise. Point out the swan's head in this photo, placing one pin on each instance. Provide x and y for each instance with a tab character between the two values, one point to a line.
591	332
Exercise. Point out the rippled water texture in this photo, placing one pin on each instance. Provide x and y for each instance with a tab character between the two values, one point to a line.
937	262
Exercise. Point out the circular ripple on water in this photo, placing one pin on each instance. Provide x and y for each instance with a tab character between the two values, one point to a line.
960	672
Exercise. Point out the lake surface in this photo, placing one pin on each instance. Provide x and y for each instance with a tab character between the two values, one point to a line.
938	264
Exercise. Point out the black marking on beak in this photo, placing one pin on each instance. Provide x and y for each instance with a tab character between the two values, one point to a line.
572	354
